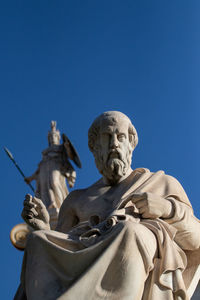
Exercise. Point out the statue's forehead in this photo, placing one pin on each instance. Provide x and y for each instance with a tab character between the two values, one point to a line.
120	124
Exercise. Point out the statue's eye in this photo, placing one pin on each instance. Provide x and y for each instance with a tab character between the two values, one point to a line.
121	137
105	136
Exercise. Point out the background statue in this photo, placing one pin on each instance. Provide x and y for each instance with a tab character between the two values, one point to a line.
131	235
53	171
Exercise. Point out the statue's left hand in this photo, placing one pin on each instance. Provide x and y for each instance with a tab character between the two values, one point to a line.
152	206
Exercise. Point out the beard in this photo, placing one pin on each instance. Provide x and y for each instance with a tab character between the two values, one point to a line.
114	164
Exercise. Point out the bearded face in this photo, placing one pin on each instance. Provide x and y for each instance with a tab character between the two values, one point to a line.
113	152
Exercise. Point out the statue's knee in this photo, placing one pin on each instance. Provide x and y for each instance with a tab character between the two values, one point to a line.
132	229
138	233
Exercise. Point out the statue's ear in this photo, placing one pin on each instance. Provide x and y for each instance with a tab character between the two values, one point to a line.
93	142
133	139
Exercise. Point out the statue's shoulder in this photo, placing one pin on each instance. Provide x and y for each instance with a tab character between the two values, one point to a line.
74	195
167	186
160	173
169	179
71	200
158	176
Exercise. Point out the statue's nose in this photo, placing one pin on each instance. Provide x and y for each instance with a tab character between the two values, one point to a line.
114	142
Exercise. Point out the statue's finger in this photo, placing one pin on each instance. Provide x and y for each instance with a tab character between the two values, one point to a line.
26	211
136	197
28	197
143	210
30	212
34	212
31	209
140	203
26	215
29	203
38	202
146	215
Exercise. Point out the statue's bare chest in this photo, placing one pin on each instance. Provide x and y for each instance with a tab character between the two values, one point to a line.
97	203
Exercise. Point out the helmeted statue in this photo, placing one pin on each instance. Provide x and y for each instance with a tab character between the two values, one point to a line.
131	235
53	171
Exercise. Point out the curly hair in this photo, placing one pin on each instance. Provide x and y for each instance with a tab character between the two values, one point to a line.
94	129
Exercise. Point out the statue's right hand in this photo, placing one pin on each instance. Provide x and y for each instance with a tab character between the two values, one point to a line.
35	213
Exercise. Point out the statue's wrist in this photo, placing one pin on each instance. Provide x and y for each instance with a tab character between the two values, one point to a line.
40	226
47	227
169	210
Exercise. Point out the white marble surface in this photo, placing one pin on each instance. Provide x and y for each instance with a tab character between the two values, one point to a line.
124	237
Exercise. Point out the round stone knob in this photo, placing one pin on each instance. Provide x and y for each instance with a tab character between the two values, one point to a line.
18	235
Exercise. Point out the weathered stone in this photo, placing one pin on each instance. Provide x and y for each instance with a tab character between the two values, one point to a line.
131	235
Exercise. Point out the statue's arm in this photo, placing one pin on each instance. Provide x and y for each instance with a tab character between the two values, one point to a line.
32	177
172	206
182	217
36	215
68	171
67	215
186	224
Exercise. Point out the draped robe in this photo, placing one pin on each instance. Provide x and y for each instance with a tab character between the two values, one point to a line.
117	254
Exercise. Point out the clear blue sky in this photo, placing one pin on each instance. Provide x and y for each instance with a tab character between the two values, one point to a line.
71	60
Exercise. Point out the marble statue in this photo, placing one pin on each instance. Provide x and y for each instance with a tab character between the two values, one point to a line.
131	235
53	171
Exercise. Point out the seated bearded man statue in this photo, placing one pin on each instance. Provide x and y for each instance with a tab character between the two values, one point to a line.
126	237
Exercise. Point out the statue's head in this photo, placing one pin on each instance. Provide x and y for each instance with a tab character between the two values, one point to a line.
53	135
112	139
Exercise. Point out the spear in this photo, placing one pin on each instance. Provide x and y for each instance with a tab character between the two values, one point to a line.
16	165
